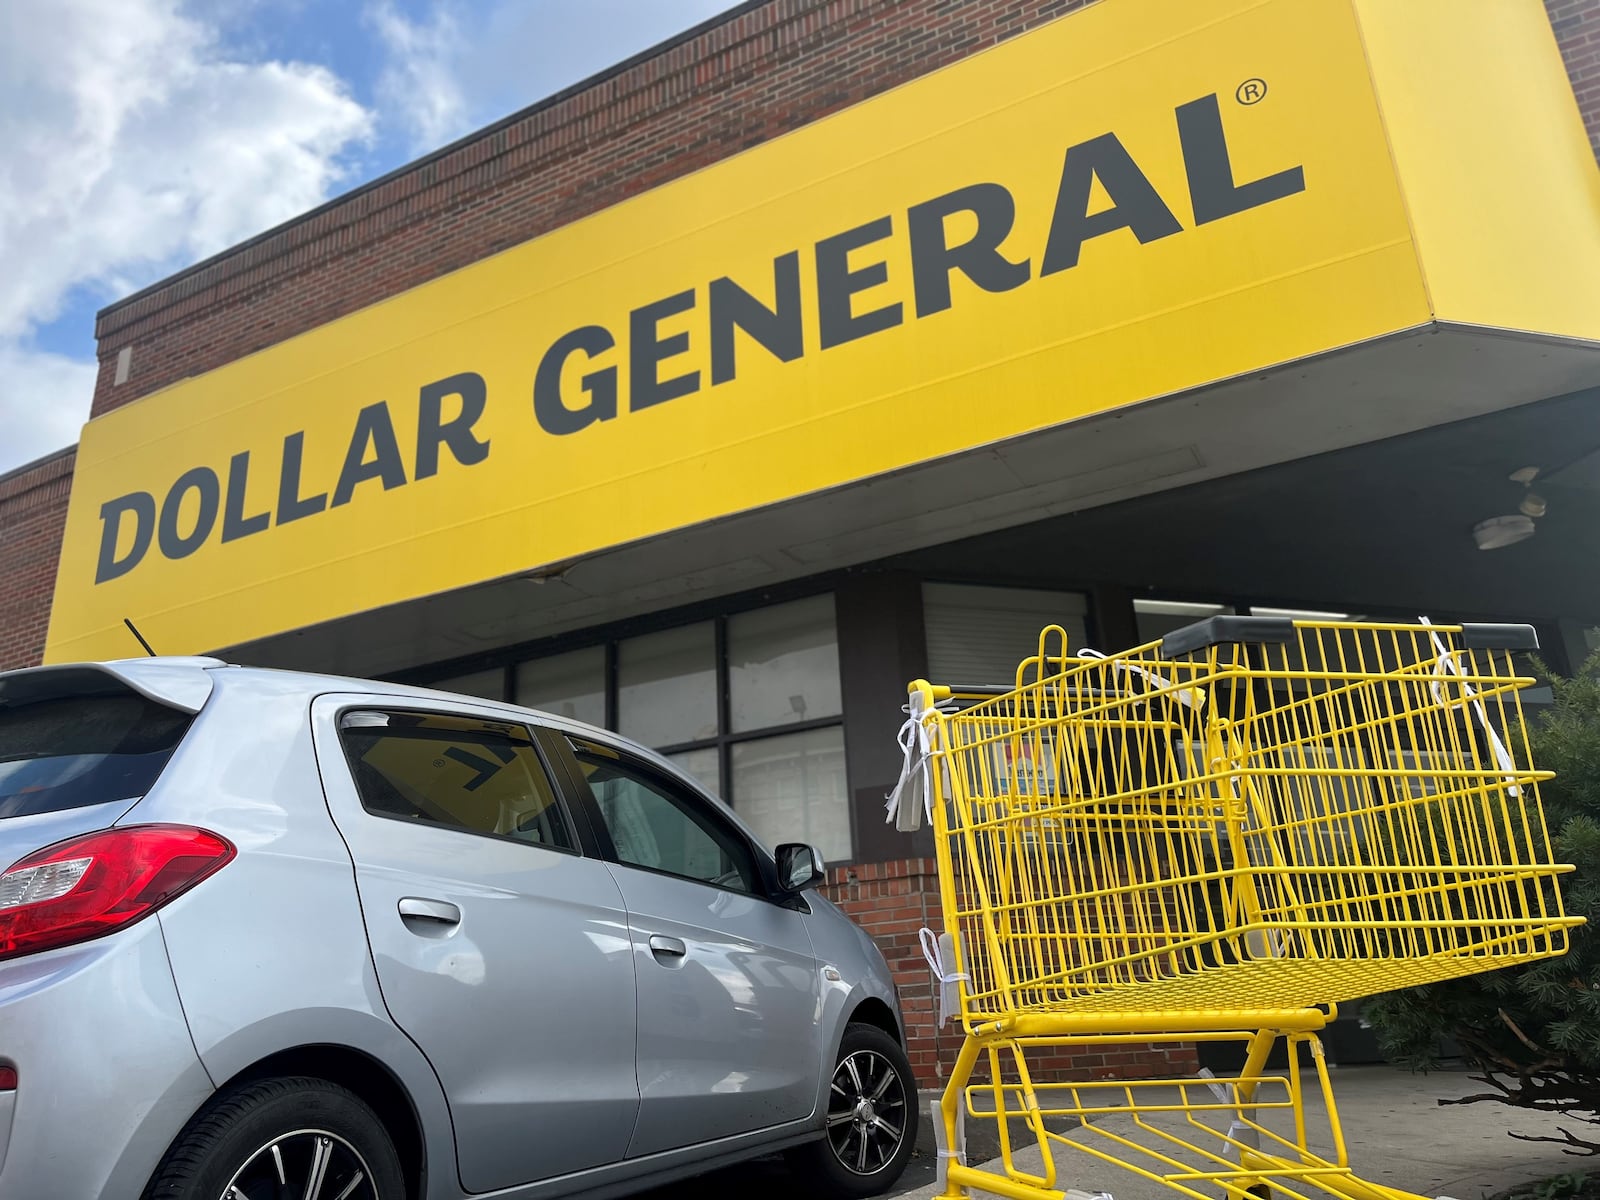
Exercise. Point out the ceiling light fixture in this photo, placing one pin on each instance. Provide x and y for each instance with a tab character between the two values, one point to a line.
1497	532
1299	614
1533	504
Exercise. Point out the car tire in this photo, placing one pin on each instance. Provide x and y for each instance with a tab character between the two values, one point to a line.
860	1155
280	1133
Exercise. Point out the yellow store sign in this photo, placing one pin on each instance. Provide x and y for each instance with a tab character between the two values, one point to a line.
1145	197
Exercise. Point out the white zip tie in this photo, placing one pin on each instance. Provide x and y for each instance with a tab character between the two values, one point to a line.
1244	1134
934	948
1220	1091
1188	697
948	1154
1446	664
912	797
1238	1131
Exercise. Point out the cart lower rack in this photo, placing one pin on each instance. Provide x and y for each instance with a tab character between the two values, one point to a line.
1221	836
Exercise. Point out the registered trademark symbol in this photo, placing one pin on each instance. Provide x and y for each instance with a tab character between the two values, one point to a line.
1251	91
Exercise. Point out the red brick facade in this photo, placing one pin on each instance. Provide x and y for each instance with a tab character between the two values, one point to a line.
766	69
33	508
895	900
1577	26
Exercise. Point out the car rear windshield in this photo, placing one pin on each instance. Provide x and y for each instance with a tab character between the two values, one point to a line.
69	752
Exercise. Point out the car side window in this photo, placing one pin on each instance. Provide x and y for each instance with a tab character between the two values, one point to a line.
482	777
658	826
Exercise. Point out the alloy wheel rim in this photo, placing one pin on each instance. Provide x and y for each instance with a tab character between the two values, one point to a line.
866	1112
308	1164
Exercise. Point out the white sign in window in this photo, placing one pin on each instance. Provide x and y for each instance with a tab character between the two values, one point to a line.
791	788
571	685
783	665
667	686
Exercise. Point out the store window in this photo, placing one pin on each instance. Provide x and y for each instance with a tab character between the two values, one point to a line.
791	788
704	766
978	635
486	685
748	705
1154	619
783	665
569	685
667	686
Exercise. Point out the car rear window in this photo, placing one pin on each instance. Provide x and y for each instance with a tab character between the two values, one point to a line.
69	752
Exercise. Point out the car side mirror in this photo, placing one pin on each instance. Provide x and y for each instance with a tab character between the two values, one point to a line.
799	867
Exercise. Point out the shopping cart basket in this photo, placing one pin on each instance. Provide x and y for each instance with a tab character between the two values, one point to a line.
1221	836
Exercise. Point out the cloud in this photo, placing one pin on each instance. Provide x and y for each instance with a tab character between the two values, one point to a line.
135	143
45	402
142	135
421	82
458	67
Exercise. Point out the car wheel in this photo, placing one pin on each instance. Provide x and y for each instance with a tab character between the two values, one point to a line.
872	1118
282	1137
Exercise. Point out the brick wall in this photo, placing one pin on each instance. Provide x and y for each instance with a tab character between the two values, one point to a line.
892	901
1577	26
33	510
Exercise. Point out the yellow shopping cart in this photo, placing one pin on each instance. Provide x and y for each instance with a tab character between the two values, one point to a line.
1219	837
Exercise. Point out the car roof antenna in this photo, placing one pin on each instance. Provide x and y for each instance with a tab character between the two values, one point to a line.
133	630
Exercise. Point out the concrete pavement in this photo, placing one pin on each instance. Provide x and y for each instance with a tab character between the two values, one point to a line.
1396	1132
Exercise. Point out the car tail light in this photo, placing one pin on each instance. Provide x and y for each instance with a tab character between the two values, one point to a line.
8	1079
87	887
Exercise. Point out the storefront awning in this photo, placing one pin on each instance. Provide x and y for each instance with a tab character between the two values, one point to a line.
1151	243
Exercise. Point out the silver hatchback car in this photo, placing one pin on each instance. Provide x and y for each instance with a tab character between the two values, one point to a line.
267	934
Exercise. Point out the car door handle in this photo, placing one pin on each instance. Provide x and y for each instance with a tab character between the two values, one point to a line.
441	911
667	947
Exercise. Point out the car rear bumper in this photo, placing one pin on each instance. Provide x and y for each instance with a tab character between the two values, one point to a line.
106	1072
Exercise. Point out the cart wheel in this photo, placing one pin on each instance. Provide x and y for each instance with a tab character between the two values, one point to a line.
1260	1191
872	1119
